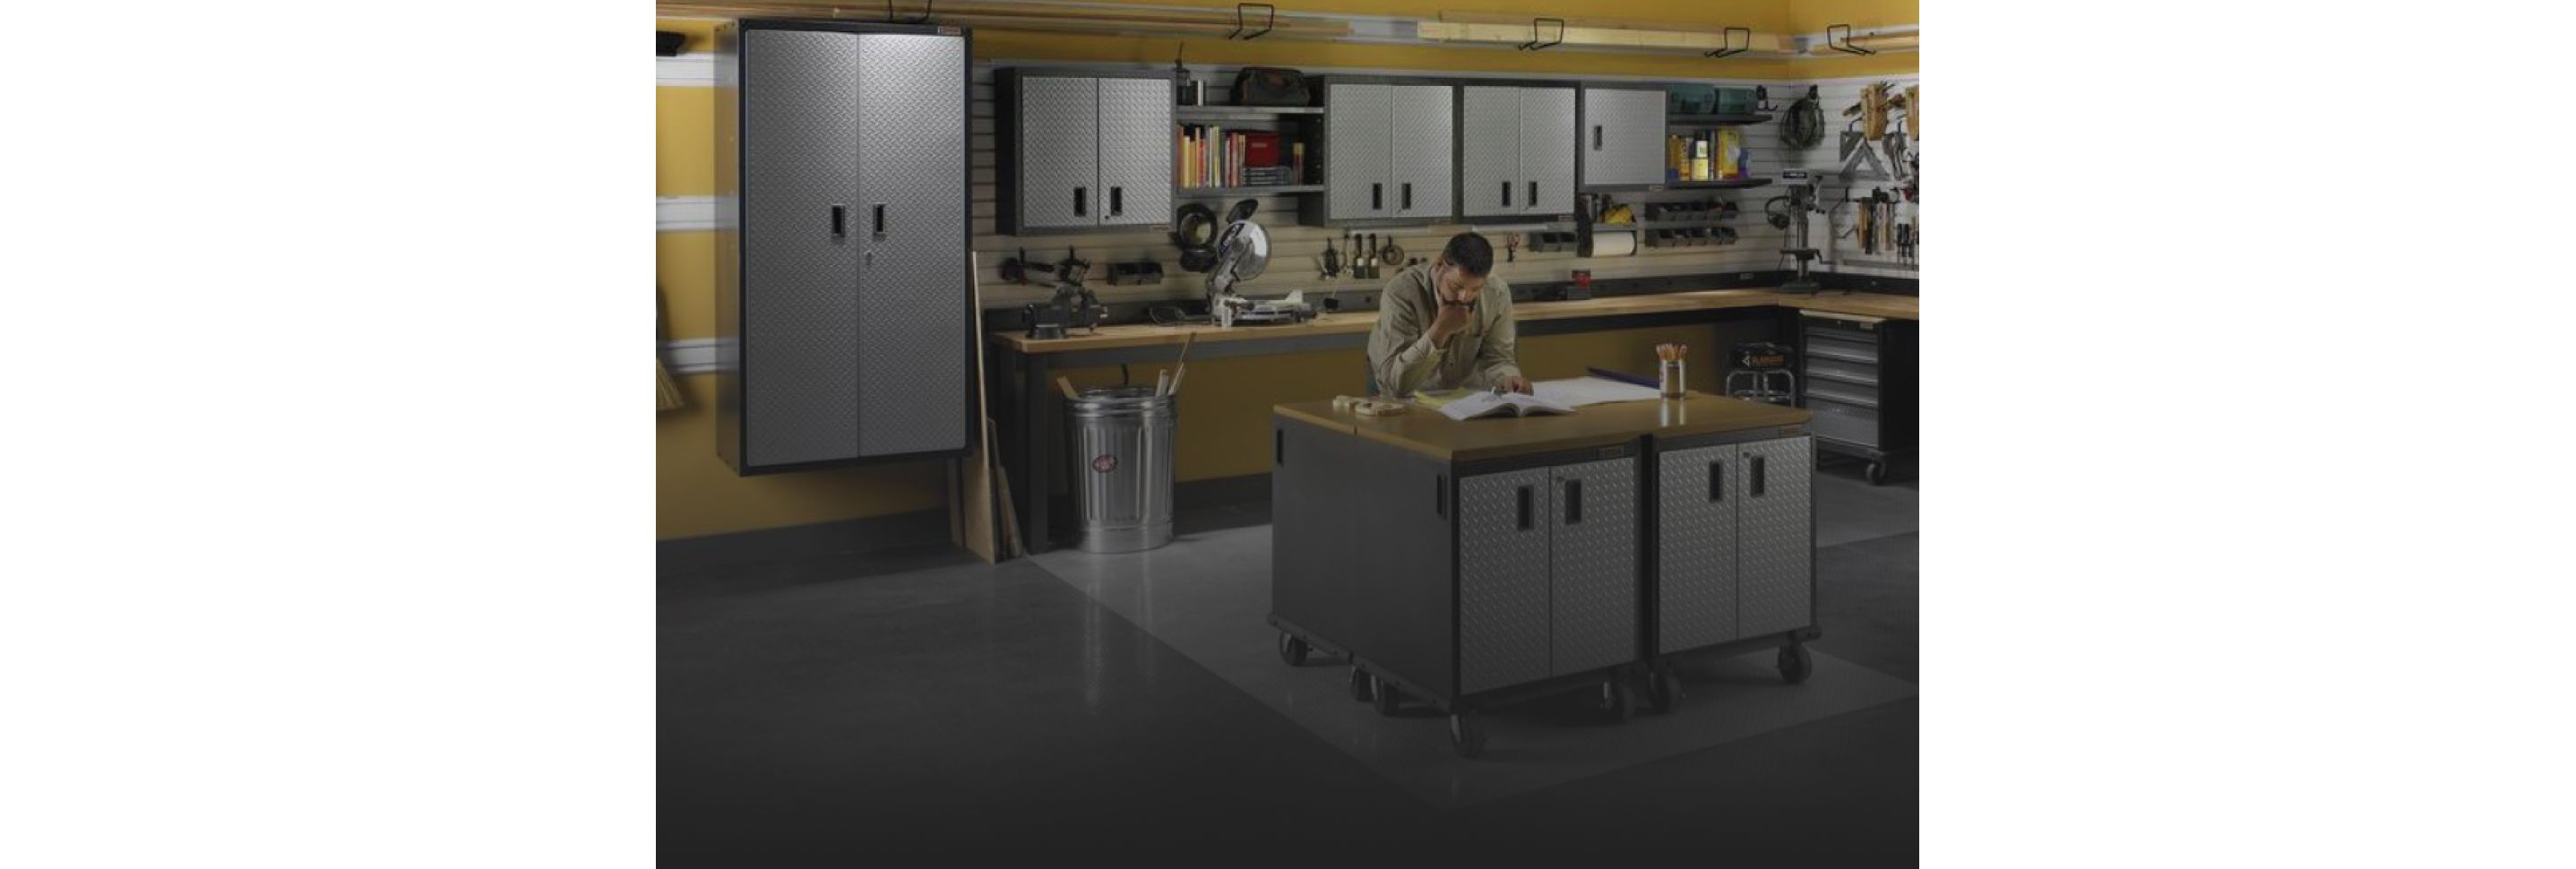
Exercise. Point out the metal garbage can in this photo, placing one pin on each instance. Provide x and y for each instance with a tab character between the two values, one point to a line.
1122	469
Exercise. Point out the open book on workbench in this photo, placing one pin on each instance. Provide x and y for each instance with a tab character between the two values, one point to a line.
1484	404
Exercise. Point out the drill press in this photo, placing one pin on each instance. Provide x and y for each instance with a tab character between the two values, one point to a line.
1790	212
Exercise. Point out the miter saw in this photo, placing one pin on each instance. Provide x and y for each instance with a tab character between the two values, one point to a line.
1242	251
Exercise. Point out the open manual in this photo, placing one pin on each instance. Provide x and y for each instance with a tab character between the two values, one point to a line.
1483	404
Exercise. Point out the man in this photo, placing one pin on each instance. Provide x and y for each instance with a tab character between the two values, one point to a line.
1446	324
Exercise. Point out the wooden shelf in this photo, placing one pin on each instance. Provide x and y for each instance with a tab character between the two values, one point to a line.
1726	120
1231	192
1211	113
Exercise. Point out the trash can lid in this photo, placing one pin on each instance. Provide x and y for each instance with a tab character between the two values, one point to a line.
1120	398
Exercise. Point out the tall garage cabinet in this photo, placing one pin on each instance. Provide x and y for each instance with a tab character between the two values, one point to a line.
843	304
1735	556
1515	150
1081	151
1386	153
1547	572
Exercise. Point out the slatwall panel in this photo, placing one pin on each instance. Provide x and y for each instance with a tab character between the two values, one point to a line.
1825	160
1297	251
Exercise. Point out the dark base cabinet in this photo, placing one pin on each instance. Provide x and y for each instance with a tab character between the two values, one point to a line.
1859	376
1470	584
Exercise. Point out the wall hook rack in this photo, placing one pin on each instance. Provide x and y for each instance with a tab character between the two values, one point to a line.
1534	44
1845	46
924	18
1270	20
1728	47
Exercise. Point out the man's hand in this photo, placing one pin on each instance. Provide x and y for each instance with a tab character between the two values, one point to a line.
1451	320
1517	383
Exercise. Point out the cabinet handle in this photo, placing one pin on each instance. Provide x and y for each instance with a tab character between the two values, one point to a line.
840	221
1077	202
1574	502
1377	197
1759	477
1407	196
879	209
1717	481
1596	137
1507	194
1440	495
1533	197
1117	201
1525	508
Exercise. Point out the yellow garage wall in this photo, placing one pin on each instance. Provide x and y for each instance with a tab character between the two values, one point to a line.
1224	415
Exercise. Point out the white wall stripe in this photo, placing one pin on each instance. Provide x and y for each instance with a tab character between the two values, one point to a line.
684	213
690	355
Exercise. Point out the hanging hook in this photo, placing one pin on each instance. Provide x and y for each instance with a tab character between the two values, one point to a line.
1845	46
1534	44
1726	42
1240	24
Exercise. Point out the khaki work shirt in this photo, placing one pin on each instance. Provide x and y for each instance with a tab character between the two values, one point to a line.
1400	353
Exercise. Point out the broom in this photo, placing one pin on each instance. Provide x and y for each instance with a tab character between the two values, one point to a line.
666	393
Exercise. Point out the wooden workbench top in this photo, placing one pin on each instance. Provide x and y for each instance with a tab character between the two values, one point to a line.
1424	430
1147	334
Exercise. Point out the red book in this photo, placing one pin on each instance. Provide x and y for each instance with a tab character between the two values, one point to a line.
1261	149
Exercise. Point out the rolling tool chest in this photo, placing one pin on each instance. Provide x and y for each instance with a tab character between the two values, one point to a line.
1858	375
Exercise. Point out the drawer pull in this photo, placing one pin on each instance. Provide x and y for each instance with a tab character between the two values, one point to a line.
1525	508
1574	502
1717	481
1758	474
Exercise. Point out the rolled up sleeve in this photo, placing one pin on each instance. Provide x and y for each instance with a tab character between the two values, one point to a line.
1400	352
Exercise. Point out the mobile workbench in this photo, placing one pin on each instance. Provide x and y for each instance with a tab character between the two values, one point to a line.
1471	564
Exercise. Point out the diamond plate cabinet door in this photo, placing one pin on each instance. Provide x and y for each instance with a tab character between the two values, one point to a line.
1547	151
913	330
1592	559
1489	151
1358	125
1775	530
1135	151
1059	153
1695	548
799	295
1503	579
1623	131
1424	145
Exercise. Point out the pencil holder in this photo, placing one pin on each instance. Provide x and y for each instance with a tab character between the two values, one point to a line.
1670	379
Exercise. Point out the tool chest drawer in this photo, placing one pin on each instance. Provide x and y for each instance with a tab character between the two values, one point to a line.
1842	372
1842	393
1849	423
1819	347
1841	330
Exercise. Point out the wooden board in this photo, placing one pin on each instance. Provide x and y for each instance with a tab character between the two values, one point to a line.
971	504
1147	335
1427	432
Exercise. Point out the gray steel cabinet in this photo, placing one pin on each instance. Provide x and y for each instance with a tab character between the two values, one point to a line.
1515	150
1503	567
842	294
1386	154
1623	135
1592	566
1735	554
1081	152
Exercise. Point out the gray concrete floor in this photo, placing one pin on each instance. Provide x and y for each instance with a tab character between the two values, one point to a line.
841	709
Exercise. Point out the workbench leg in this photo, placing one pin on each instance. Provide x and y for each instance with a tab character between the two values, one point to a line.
1035	474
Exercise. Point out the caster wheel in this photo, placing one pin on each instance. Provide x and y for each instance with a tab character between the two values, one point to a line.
1876	474
1663	692
1292	651
1465	735
1361	684
1387	697
1617	700
1794	663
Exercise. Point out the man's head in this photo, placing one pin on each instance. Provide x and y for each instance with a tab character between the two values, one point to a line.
1458	274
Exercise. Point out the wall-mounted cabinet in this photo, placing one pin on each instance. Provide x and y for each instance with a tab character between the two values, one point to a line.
1081	152
1623	134
1386	153
1515	150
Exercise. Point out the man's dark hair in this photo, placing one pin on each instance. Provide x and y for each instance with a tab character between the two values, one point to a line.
1470	253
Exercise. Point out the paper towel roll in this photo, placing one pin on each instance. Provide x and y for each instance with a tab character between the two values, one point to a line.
1619	242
